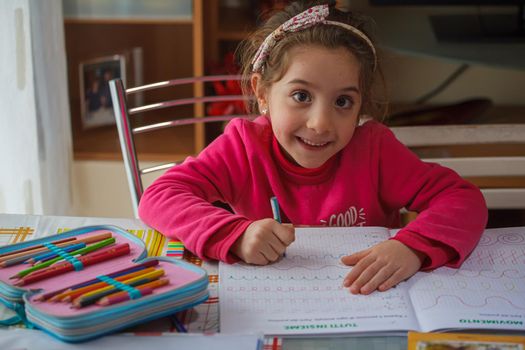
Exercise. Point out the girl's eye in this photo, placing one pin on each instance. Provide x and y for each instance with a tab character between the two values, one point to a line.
344	102
301	96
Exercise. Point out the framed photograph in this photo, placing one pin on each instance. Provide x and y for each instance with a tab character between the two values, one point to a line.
95	97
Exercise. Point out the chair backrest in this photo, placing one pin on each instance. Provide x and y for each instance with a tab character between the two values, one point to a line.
502	194
124	115
495	158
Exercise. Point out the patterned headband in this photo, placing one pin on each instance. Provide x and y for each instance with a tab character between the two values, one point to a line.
312	16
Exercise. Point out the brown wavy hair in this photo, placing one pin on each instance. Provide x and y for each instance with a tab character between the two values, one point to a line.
371	79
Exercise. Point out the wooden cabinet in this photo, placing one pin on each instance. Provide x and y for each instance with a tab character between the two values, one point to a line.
170	49
224	27
167	52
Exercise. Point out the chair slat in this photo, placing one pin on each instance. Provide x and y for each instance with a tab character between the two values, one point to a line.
504	198
159	167
481	135
185	101
443	135
188	121
484	166
182	81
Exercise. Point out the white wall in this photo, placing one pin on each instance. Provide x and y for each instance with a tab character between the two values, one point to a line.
410	77
415	63
100	188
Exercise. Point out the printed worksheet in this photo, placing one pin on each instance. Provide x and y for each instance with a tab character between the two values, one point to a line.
487	292
303	293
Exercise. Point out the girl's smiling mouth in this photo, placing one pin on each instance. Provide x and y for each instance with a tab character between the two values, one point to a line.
313	144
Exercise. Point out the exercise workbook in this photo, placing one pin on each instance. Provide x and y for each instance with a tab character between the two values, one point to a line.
303	294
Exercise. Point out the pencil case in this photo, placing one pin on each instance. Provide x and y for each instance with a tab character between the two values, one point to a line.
124	287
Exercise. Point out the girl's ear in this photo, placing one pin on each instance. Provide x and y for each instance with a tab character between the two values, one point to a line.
259	90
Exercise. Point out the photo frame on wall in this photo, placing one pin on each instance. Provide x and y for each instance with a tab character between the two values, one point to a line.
95	98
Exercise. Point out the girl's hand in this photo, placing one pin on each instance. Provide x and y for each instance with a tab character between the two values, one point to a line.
381	267
263	242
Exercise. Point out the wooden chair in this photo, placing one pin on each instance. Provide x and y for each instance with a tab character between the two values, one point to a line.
494	160
124	115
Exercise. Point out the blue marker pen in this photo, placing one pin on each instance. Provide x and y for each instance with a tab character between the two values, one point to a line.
275	209
276	212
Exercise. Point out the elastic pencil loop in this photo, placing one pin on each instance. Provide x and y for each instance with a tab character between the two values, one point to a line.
134	293
77	264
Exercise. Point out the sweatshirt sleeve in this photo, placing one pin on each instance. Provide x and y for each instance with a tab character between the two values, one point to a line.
452	212
179	203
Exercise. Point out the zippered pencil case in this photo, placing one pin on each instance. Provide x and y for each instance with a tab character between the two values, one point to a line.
76	292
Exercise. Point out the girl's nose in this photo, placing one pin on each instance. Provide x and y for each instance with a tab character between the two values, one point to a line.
319	120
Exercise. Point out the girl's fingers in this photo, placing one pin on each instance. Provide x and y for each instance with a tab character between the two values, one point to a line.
367	275
259	259
276	244
353	259
285	234
359	261
269	253
357	270
377	280
352	276
393	280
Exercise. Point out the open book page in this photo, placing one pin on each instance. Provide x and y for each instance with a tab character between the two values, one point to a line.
487	292
303	294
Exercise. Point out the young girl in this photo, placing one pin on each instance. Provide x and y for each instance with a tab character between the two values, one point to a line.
312	69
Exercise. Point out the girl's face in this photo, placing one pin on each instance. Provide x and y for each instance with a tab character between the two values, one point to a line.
315	107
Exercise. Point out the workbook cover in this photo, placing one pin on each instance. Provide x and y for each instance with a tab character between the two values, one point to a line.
464	341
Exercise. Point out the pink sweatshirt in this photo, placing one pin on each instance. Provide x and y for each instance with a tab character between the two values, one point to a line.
365	184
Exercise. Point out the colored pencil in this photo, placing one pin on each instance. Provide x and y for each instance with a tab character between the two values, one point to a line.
151	275
25	258
50	255
94	252
118	273
85	250
30	254
66	296
90	239
25	250
83	302
179	326
64	267
144	289
92	297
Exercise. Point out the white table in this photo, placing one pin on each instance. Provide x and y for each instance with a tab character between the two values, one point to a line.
202	319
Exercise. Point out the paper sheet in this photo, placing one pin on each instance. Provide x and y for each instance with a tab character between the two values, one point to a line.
303	292
488	291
